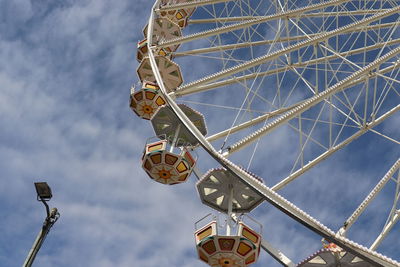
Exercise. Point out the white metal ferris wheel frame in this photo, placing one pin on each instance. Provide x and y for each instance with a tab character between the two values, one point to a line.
269	194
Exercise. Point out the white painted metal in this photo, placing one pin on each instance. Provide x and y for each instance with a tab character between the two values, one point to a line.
229	218
242	25
386	230
246	124
282	110
359	74
312	102
287	39
276	254
316	14
186	91
255	62
375	191
175	138
333	149
192	4
272	197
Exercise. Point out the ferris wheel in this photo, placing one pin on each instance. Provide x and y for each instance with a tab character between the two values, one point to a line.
273	89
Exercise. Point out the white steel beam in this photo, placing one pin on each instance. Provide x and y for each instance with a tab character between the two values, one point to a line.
375	191
312	101
246	124
279	40
239	45
385	230
333	149
186	91
260	60
276	254
246	24
319	14
193	4
271	250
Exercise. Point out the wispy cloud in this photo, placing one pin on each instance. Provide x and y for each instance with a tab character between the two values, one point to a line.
65	72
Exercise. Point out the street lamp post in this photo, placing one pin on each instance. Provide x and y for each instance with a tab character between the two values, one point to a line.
43	194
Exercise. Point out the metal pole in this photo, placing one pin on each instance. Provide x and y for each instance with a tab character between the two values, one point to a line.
174	141
47	224
229	218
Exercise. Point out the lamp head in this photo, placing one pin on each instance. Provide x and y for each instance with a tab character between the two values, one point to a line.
43	191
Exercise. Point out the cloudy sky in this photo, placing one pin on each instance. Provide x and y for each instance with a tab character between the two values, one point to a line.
65	75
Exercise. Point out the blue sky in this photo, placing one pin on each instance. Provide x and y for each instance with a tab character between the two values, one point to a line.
65	75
